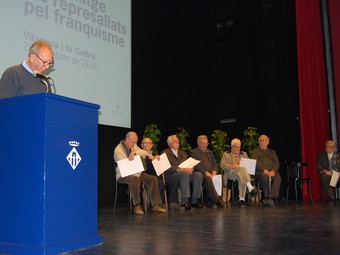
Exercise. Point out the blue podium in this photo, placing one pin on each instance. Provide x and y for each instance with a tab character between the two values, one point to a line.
48	175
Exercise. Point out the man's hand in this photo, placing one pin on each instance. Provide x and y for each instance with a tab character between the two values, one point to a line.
270	173
189	170
132	155
327	172
235	165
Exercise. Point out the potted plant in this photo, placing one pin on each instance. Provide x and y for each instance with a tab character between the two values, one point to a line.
219	143
182	135
151	131
250	140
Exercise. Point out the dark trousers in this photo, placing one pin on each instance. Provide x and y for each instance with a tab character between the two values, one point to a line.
161	187
264	183
210	189
325	181
171	181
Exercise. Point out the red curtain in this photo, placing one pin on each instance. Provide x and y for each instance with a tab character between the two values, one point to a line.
314	116
334	20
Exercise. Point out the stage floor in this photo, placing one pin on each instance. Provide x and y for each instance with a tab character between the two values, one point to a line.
293	229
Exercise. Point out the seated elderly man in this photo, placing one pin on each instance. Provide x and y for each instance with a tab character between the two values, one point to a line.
128	149
147	145
327	162
209	168
267	170
184	176
230	164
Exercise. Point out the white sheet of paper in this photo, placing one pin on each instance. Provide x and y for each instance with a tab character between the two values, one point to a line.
129	167
189	163
249	164
334	179
217	181
162	164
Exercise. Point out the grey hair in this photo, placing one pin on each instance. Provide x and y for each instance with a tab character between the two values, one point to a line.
200	137
36	46
235	141
169	140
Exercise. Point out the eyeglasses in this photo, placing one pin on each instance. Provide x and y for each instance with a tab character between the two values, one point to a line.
145	143
45	63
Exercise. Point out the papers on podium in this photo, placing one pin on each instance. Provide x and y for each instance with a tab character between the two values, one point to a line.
189	163
334	179
249	164
129	167
217	181
162	164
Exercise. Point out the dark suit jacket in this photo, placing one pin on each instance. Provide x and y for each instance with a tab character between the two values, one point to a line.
323	162
203	166
174	161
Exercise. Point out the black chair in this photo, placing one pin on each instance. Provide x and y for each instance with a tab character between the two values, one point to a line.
144	193
126	186
232	184
295	177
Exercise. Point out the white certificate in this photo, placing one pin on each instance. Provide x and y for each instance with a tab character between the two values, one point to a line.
162	164
217	181
129	167
334	179
249	164
189	163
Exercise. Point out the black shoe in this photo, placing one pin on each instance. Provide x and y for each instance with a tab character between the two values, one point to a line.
186	206
264	201
197	205
331	201
212	205
270	202
241	203
254	191
220	204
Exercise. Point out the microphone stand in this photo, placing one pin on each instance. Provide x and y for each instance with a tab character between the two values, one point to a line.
49	85
52	85
46	84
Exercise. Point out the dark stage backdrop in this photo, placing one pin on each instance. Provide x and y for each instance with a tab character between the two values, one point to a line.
197	62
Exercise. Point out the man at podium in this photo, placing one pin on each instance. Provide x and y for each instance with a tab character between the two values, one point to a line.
28	77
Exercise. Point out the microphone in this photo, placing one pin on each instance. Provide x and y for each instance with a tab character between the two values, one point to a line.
40	75
46	80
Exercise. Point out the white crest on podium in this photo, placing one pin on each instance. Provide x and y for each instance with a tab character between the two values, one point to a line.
73	157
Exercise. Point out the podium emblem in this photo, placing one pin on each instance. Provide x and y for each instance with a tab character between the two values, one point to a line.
73	157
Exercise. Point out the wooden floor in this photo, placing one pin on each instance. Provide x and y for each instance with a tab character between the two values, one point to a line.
293	229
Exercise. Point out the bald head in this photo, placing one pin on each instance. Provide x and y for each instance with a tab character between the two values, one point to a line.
131	139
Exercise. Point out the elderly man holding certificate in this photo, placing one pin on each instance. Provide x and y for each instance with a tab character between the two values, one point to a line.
184	175
230	164
209	168
156	165
129	170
